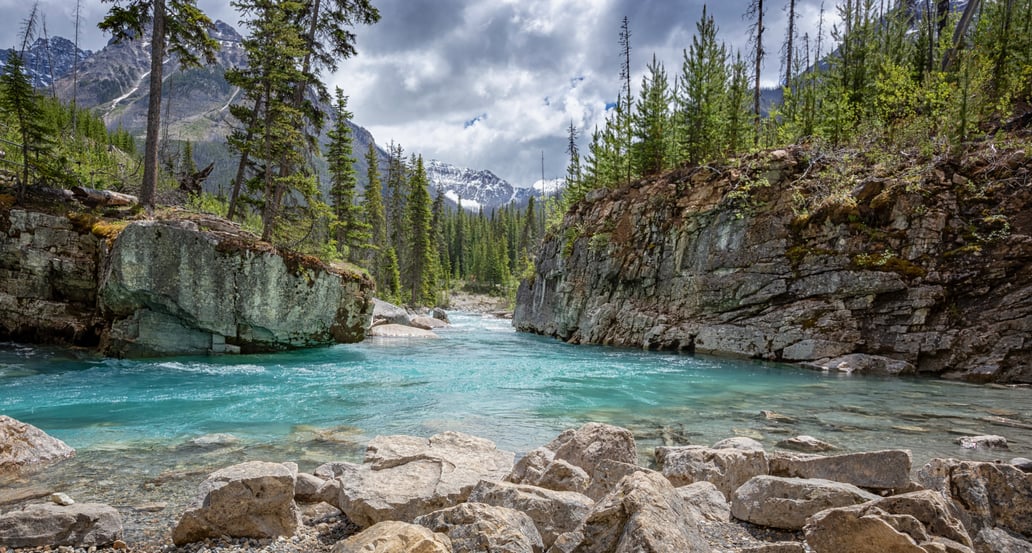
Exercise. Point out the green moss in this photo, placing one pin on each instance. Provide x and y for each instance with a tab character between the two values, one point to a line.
889	262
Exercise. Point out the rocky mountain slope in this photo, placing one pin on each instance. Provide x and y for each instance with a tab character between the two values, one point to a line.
802	255
46	61
479	188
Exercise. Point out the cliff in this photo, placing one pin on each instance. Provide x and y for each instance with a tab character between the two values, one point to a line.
799	255
184	284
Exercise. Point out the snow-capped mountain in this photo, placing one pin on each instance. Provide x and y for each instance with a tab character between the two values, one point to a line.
477	189
48	60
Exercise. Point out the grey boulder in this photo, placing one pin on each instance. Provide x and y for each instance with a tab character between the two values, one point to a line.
394	537
553	512
726	468
786	503
476	527
874	470
25	446
47	524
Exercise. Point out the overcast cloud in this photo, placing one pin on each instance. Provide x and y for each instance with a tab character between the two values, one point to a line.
491	84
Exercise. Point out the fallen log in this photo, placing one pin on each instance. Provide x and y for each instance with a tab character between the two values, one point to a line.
103	198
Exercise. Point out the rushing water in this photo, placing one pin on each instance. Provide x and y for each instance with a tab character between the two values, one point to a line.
133	421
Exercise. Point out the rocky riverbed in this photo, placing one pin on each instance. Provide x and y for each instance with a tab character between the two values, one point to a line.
584	491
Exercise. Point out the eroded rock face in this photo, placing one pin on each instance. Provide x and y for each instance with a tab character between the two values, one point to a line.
876	470
475	527
404	477
170	289
989	494
726	468
23	446
395	537
78	525
249	500
787	502
553	512
684	262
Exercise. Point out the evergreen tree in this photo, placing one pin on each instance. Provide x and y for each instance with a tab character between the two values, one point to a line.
187	165
374	255
624	110
178	27
757	12
397	176
22	102
703	87
418	276
350	229
652	122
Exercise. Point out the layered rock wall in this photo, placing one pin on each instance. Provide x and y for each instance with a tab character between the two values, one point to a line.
787	256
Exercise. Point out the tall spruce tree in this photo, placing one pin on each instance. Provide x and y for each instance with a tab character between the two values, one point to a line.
651	131
374	254
350	228
701	94
178	27
757	12
418	274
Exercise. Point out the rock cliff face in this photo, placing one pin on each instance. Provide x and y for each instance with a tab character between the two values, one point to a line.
796	255
168	287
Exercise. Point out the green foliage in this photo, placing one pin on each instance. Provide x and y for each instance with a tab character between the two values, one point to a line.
420	270
350	230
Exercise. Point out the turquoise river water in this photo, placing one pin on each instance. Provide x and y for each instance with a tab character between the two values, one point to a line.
134	422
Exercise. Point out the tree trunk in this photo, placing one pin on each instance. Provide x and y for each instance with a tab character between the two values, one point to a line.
759	63
790	45
150	154
245	155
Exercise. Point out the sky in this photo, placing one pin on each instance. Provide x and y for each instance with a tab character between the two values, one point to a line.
493	84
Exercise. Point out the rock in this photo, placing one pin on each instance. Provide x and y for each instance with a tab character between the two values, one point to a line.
46	524
776	547
806	444
476	527
608	474
231	293
553	512
725	468
404	477
395	537
931	509
982	442
540	468
586	448
839	530
427	323
307	487
996	540
440	314
786	503
398	331
875	470
776	417
392	314
1023	464
59	498
250	500
867	364
25	446
739	442
705	502
213	441
990	494
644	513
119	545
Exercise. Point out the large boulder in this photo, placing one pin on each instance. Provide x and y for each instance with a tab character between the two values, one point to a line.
705	502
586	448
395	537
427	323
989	494
476	527
400	331
726	468
388	313
250	500
996	540
170	288
25	446
786	503
874	470
553	512
404	477
644	513
78	525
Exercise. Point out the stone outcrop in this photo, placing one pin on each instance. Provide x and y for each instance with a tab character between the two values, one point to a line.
553	512
395	537
404	477
47	524
874	470
786	503
183	285
989	494
726	468
475	527
23	446
774	259
249	500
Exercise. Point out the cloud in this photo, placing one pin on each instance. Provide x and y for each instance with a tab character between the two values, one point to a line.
429	73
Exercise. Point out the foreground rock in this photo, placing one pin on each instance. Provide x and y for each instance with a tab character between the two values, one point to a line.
395	537
644	513
706	260
990	494
249	500
726	468
576	458
25	446
553	512
874	470
476	527
78	525
404	477
787	502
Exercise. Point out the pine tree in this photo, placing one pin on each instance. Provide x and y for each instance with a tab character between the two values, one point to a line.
374	254
178	27
187	165
396	185
757	12
20	100
574	178
702	88
624	109
350	229
651	121
418	275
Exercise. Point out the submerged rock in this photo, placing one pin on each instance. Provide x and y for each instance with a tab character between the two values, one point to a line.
78	525
23	446
982	442
806	444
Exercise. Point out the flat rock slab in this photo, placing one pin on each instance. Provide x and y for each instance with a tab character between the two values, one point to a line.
400	331
25	446
786	503
47	524
395	537
476	527
553	512
727	468
875	470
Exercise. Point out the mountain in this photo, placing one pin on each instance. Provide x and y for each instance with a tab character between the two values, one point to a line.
480	188
48	60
